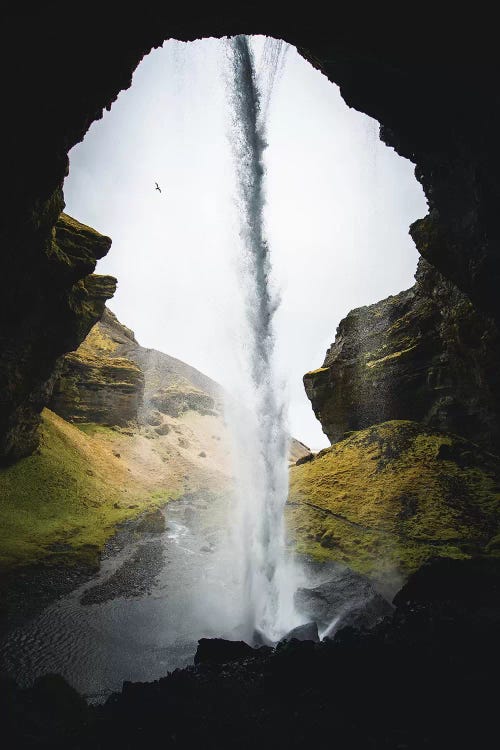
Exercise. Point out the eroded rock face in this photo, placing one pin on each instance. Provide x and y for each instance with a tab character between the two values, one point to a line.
96	383
110	379
424	354
57	301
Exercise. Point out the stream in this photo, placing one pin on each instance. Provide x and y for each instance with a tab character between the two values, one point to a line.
138	618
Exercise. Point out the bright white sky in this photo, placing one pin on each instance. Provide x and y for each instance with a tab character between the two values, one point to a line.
339	204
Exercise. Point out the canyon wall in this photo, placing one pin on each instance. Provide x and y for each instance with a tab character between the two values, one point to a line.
425	355
48	308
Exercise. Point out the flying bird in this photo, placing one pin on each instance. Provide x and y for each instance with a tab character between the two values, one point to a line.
157	187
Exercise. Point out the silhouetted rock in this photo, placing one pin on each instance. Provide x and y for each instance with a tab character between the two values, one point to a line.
304	459
68	299
306	632
346	599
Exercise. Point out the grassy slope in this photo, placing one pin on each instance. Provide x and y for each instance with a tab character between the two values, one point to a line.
391	496
64	501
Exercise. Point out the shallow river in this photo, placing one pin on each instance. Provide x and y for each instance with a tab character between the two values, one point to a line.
140	617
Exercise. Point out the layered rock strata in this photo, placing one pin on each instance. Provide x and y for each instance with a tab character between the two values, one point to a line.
58	300
424	355
111	379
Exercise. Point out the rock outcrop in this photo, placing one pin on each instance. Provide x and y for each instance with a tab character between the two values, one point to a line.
110	379
96	384
424	355
56	306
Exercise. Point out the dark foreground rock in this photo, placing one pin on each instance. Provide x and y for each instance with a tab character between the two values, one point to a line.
421	680
221	651
345	599
306	632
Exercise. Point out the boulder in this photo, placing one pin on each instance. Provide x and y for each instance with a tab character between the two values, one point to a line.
221	651
345	599
306	632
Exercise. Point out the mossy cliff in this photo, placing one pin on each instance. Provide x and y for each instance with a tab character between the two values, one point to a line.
111	379
386	499
424	355
62	503
96	384
56	304
110	453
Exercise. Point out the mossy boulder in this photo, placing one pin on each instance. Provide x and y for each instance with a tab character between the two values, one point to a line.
423	355
180	397
388	498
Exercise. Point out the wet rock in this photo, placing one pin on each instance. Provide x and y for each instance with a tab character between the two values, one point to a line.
135	577
154	418
152	522
220	651
306	632
346	599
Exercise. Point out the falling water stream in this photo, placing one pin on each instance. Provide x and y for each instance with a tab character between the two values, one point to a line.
260	436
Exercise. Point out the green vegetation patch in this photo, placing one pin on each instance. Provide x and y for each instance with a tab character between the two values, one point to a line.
62	503
394	495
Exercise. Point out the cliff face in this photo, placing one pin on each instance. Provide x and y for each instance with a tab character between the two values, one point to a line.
110	379
98	385
50	309
423	355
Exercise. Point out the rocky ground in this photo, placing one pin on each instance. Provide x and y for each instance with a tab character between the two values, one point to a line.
419	680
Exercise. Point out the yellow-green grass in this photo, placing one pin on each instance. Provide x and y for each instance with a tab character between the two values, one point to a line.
390	497
64	502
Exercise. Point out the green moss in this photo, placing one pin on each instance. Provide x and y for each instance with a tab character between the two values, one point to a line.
394	495
65	501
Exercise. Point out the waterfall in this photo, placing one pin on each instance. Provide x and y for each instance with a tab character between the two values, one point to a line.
259	421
